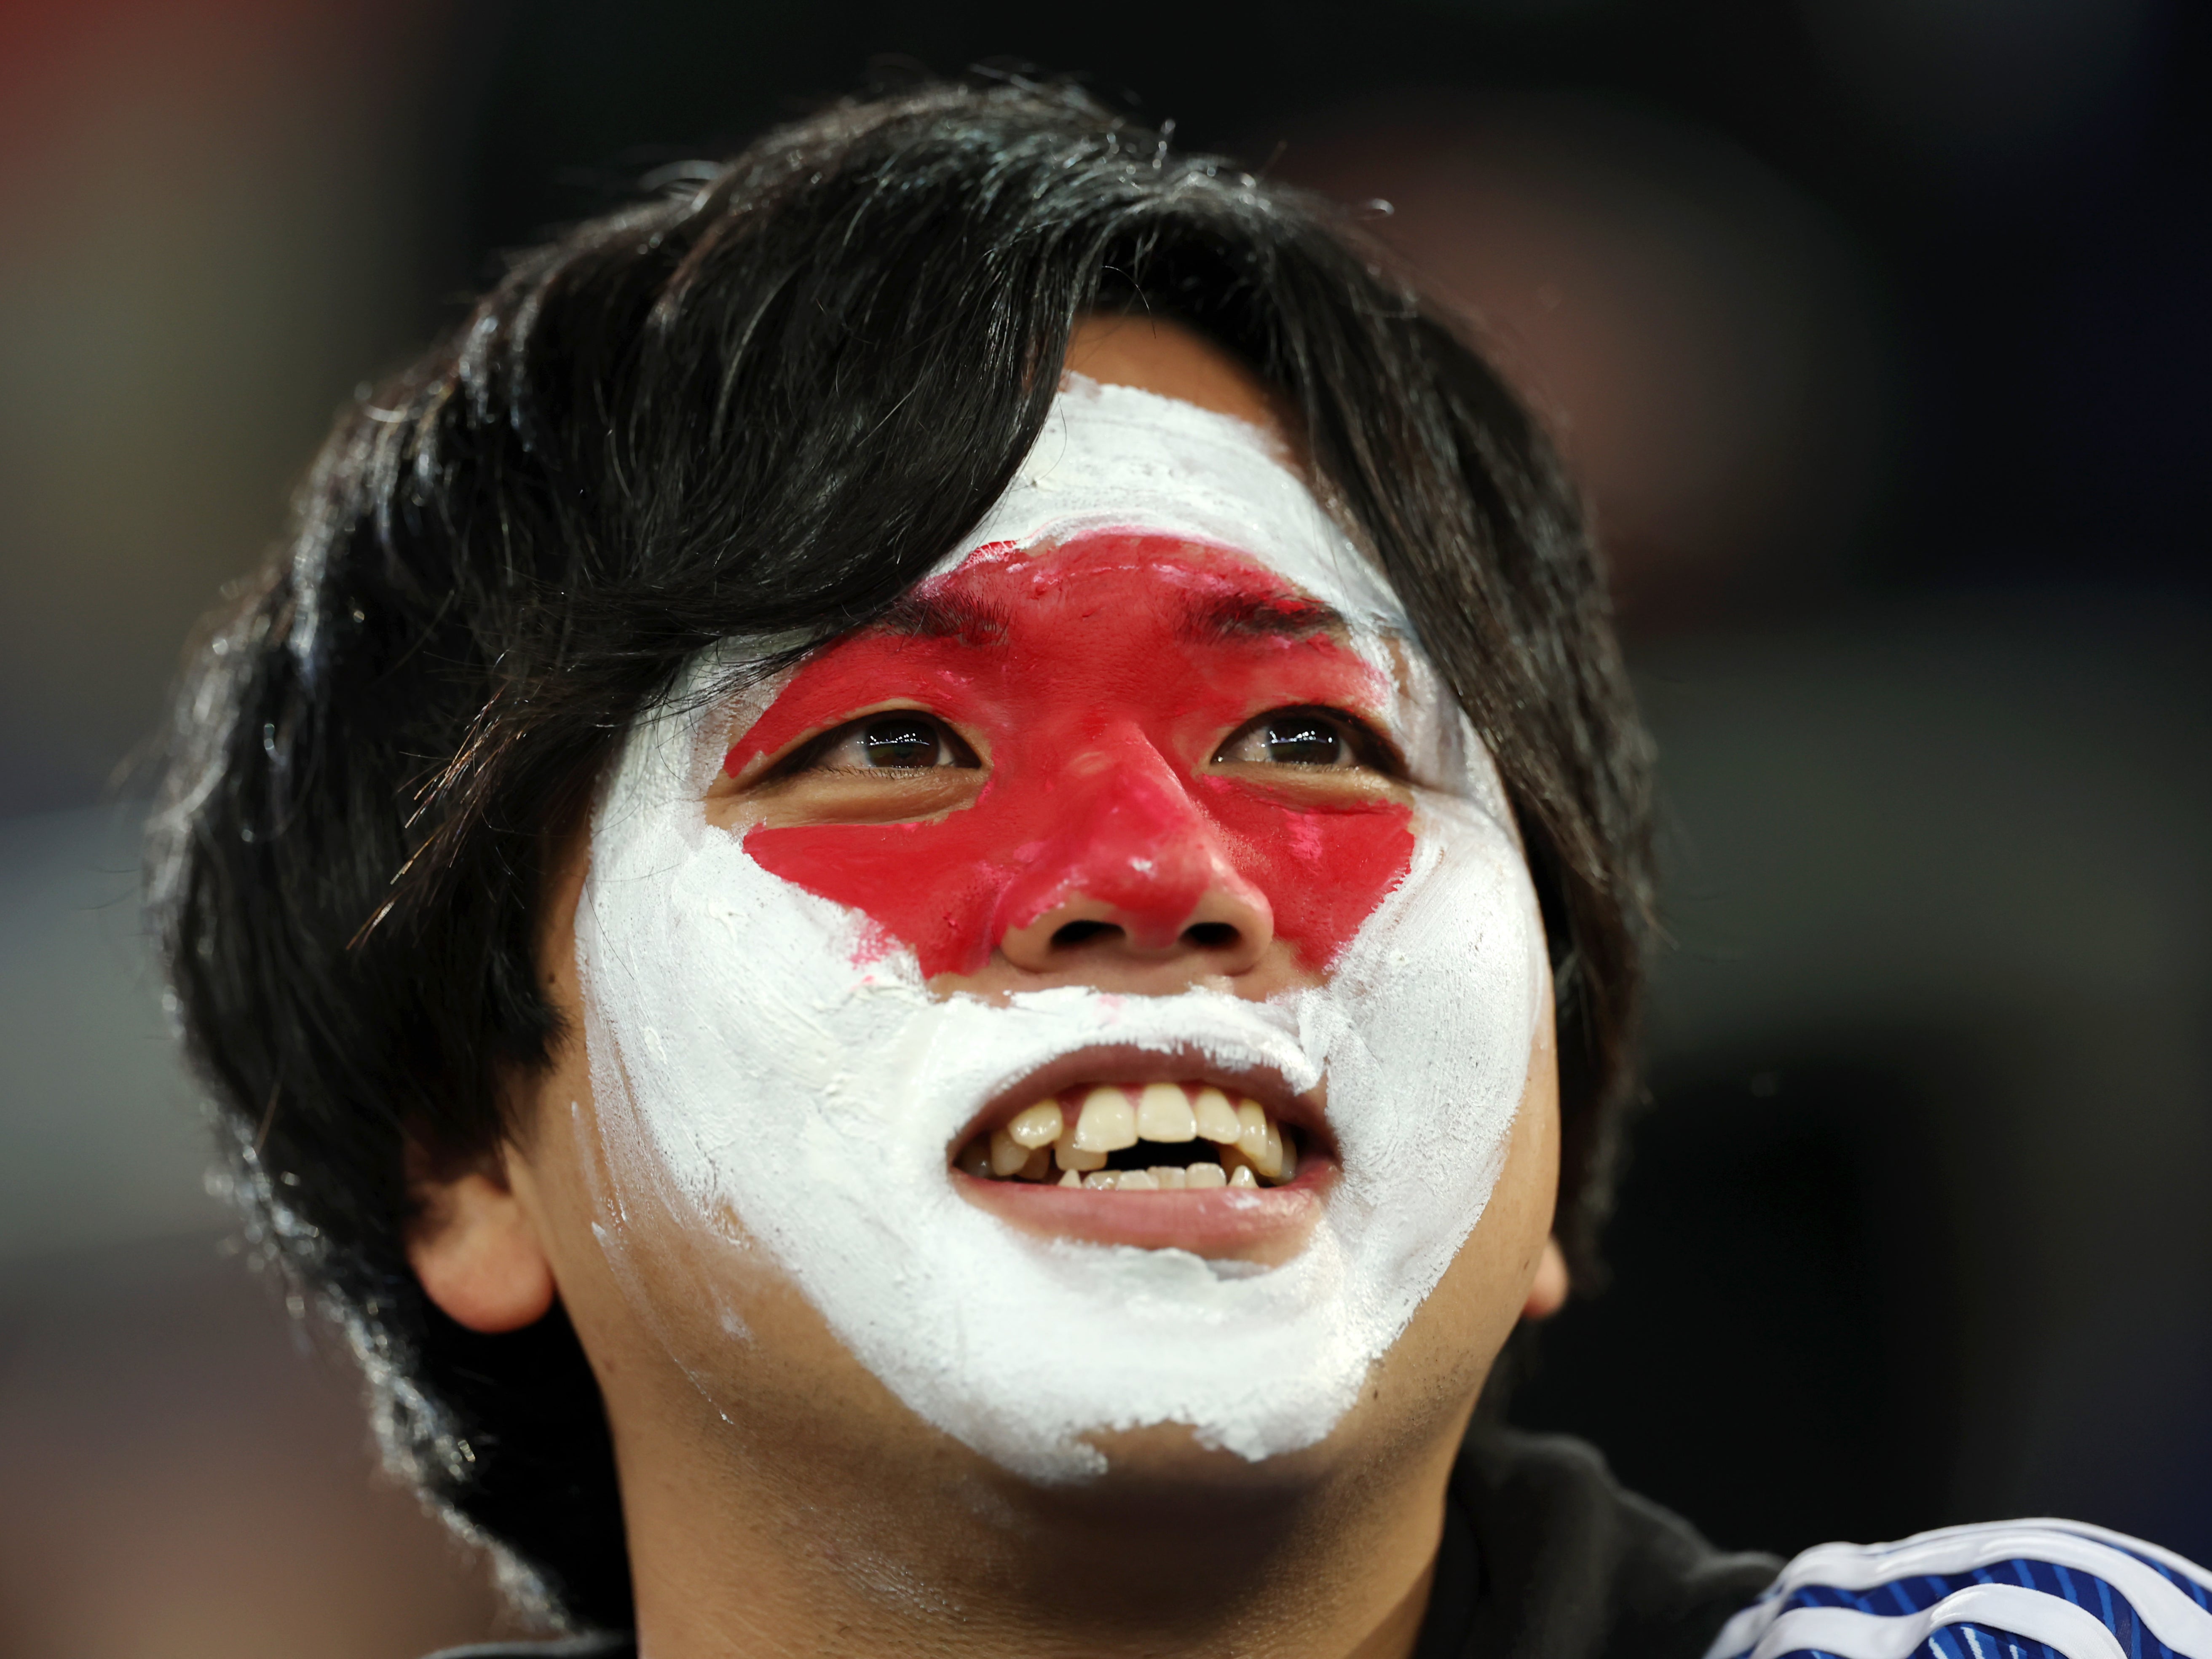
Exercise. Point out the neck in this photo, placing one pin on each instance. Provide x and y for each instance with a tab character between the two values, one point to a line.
746	1541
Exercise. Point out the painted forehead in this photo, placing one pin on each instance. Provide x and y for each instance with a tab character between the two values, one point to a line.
1114	457
1144	525
1125	491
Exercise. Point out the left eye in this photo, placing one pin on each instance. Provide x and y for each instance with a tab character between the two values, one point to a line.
1298	737
901	741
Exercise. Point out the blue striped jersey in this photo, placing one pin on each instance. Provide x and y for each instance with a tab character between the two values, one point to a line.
2014	1590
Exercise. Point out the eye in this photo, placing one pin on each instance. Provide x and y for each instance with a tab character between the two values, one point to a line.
901	740
1317	738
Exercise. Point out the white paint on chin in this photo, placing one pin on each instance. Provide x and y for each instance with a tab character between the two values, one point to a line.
765	1081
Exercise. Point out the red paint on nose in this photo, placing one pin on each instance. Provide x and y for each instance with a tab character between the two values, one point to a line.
1133	839
1100	675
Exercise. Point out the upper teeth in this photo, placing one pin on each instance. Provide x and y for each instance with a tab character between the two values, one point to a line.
1108	1118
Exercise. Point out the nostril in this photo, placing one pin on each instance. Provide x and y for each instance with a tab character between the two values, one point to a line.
1210	935
1068	935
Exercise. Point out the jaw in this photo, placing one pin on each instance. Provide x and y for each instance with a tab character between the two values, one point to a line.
1183	1549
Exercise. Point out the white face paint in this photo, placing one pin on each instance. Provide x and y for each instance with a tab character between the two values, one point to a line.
778	1086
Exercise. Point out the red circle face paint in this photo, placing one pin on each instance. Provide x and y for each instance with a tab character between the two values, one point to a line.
1099	678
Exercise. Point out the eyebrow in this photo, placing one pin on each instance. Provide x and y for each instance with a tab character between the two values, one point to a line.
1266	615
947	616
975	621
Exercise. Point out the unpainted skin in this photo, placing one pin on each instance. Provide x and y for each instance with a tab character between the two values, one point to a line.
820	1516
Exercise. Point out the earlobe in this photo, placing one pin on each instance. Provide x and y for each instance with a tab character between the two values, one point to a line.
1547	1290
477	1252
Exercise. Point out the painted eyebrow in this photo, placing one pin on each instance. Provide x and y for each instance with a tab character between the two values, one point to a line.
1268	616
1223	617
947	616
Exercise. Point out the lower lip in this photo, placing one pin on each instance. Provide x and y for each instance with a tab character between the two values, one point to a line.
1265	1224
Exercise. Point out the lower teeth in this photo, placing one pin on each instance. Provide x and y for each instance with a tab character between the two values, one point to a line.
1167	1178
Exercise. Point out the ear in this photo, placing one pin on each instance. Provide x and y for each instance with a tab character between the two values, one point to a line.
1547	1290
476	1248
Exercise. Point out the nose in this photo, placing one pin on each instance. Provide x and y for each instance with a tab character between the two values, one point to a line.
1133	872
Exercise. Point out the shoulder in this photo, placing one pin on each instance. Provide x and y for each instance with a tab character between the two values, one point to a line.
2013	1589
1574	1567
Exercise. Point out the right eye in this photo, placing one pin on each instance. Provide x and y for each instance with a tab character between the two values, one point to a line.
901	740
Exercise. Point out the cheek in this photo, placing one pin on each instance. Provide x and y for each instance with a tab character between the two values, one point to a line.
931	886
1443	994
698	967
1323	874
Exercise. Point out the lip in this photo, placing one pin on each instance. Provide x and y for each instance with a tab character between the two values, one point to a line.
1264	1226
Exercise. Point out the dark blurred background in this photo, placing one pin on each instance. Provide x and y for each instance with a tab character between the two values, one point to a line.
1878	330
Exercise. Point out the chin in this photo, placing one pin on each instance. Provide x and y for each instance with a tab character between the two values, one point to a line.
1162	1479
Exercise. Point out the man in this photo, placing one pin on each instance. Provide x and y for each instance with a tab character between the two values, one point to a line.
921	895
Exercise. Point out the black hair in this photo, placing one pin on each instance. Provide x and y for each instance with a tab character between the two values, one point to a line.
767	399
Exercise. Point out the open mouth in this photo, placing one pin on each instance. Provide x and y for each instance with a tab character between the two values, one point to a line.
1138	1137
1228	1165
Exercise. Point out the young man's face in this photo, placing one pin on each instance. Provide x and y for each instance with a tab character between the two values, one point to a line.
1099	1015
